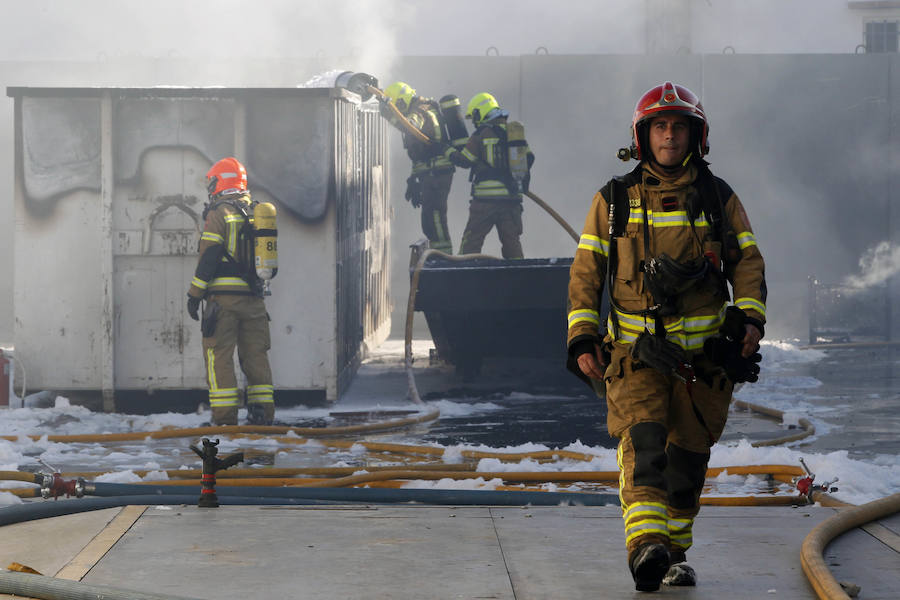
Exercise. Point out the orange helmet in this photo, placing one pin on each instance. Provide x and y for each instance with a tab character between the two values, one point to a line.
669	98
228	176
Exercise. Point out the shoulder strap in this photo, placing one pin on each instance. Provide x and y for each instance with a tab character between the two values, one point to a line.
617	197
714	193
615	192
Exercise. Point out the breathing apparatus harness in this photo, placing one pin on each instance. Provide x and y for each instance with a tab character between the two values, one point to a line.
665	278
257	254
503	167
429	152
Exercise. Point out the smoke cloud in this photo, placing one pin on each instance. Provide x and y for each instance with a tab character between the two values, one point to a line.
876	265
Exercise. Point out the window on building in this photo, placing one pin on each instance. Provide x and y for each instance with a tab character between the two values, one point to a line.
882	36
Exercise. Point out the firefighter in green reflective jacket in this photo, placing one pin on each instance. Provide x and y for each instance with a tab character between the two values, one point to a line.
235	313
496	188
428	186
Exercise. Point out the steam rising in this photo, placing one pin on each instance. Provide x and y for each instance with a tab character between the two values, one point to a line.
876	265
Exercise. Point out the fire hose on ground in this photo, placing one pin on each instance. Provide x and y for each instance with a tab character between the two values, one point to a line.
28	585
811	553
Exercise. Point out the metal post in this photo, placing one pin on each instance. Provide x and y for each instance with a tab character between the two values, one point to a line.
105	220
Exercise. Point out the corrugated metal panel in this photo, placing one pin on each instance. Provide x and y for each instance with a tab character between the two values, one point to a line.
362	235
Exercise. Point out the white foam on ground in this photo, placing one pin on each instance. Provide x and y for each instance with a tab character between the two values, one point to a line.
859	480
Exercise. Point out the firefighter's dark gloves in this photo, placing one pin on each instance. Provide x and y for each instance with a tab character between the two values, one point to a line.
654	351
590	357
384	108
726	350
727	354
413	191
193	307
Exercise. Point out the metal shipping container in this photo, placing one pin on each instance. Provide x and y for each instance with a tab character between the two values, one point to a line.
109	195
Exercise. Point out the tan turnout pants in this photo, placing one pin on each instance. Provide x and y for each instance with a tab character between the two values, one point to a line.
242	322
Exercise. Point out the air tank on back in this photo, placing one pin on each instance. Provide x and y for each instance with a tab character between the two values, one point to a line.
454	121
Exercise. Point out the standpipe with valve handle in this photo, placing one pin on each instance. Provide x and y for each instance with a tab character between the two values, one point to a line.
211	464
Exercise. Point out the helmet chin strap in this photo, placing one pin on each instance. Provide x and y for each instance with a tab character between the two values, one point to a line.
675	168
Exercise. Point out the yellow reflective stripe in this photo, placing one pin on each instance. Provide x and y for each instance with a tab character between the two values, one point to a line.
752	304
584	315
223	402
198	283
260	394
644	529
621	475
436	126
223	393
450	102
646	517
680	532
594	244
232	222
416	119
211	370
228	281
491	187
212	237
676	218
687	332
746	239
643	509
489	143
465	152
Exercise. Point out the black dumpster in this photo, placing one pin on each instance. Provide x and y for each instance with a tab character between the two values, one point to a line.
483	308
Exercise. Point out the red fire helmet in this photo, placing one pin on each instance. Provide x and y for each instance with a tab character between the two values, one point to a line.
670	98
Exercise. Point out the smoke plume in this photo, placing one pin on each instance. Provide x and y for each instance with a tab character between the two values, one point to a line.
876	265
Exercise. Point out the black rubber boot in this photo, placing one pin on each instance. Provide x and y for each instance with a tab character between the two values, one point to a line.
649	564
258	414
679	573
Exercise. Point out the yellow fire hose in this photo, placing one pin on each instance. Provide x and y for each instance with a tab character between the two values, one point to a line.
823	582
273	472
234	430
808	428
404	122
556	216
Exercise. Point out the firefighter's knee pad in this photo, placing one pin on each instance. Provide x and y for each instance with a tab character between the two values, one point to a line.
685	476
649	443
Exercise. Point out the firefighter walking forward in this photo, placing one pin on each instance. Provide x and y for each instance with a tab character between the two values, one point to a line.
665	242
234	314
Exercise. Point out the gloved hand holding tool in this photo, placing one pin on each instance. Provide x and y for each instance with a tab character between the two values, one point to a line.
666	357
735	347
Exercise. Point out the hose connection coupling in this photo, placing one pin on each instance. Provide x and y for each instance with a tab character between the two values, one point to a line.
211	464
54	486
807	487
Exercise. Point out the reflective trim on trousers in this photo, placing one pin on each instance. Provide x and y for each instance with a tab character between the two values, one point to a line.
680	532
260	394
